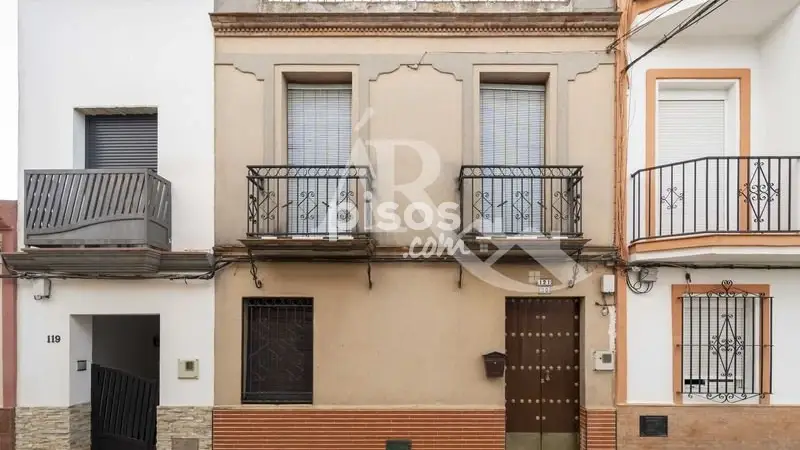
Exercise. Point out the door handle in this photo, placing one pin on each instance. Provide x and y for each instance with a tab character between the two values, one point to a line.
546	374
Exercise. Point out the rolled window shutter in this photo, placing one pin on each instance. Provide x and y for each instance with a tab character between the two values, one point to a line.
512	119
122	141
689	194
319	134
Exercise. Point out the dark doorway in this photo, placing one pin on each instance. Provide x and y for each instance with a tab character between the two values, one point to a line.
125	371
542	381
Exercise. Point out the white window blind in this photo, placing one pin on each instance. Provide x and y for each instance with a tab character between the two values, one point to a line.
512	119
690	194
319	134
720	338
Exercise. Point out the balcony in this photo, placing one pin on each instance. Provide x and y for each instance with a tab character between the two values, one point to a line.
530	207
100	222
321	210
717	202
97	208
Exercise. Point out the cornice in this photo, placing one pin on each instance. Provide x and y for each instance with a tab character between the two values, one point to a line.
419	24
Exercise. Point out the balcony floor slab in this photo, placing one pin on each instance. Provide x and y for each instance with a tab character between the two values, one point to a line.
107	261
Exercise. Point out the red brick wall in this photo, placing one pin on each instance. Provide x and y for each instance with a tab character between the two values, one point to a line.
598	429
317	429
713	427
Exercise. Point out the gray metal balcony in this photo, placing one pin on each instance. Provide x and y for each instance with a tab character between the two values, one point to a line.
97	208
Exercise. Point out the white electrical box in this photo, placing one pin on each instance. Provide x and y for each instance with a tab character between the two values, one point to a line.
608	284
188	369
41	288
603	360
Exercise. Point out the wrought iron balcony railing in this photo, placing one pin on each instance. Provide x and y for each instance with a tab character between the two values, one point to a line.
524	200
717	195
97	208
320	201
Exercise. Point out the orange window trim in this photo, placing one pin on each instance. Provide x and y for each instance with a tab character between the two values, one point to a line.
678	290
651	99
647	5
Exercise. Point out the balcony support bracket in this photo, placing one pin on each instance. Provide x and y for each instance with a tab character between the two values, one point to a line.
254	270
369	274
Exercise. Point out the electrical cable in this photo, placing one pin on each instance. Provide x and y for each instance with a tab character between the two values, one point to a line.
645	23
699	15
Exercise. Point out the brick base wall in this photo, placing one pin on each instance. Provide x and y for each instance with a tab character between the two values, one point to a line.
306	429
598	429
719	427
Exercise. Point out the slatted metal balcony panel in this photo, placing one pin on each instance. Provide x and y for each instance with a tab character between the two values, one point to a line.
97	208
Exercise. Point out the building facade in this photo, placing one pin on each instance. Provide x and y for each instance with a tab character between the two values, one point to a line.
115	225
8	327
353	142
706	354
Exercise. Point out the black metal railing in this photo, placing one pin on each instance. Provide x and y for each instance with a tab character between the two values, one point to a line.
726	344
524	200
332	201
716	195
123	415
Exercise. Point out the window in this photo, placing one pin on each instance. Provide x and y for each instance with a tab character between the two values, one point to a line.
697	120
319	128
512	120
725	343
278	350
122	141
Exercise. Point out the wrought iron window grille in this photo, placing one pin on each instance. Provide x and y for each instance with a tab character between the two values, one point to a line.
726	344
521	200
278	353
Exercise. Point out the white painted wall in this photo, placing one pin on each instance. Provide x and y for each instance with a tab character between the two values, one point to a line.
121	53
775	119
8	100
781	90
650	332
47	374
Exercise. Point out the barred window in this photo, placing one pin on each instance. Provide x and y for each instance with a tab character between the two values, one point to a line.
278	350
725	345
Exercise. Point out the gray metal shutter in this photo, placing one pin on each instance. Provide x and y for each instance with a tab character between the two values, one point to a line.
512	121
122	141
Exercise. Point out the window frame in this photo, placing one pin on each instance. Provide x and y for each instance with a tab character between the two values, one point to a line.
305	305
763	359
662	78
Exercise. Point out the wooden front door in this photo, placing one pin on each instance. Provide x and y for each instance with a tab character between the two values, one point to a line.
542	378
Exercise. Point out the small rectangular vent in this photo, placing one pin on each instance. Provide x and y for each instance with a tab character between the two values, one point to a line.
397	444
652	426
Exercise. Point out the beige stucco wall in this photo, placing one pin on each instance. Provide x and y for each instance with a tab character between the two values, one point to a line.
418	89
415	338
